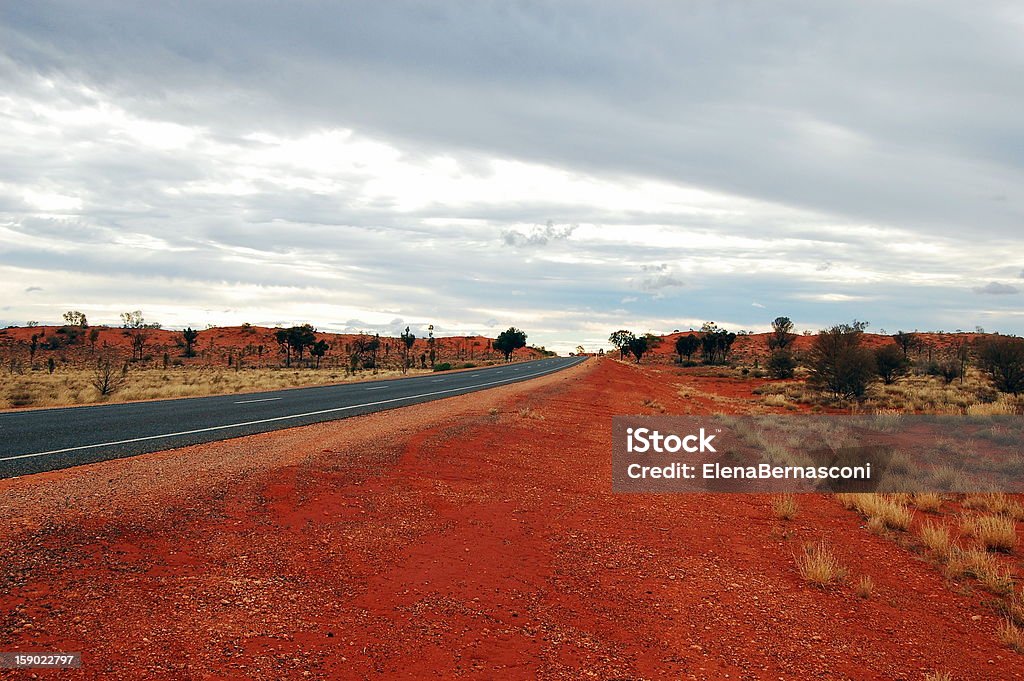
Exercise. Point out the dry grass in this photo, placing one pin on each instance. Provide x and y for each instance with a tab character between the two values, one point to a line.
983	567
927	502
880	510
938	676
999	503
654	404
865	587
1013	607
784	506
776	401
819	566
936	539
994	532
74	386
530	413
1011	635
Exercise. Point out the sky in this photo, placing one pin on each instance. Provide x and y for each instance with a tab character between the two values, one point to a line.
570	168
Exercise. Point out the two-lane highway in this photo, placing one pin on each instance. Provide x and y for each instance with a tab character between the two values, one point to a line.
48	439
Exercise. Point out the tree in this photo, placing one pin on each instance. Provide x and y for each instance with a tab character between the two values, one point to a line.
716	343
75	318
638	345
580	350
781	364
295	339
318	350
300	338
839	363
361	346
687	345
620	340
907	342
189	336
138	330
508	341
1002	358
782	335
281	336
372	347
107	377
890	362
407	342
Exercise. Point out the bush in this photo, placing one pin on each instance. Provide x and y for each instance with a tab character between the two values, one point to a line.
839	363
443	366
1003	359
890	362
781	364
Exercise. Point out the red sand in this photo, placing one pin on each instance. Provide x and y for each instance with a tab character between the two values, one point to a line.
443	541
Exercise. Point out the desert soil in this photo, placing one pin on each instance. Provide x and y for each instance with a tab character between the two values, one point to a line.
474	537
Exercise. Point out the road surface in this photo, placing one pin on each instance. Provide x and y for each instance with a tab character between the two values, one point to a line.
49	439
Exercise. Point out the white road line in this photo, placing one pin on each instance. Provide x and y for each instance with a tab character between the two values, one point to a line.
437	380
276	418
265	399
377	387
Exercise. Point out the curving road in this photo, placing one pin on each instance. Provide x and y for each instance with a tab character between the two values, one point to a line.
48	439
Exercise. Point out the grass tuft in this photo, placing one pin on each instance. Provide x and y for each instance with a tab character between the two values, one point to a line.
784	506
865	587
994	532
936	539
1011	635
819	566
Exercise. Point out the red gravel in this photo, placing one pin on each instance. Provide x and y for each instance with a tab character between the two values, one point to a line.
441	541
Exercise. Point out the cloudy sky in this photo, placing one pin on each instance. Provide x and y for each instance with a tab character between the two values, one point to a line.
567	167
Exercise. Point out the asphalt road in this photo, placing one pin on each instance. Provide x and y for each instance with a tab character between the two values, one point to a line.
48	439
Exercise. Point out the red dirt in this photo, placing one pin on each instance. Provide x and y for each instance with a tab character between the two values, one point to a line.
256	344
441	541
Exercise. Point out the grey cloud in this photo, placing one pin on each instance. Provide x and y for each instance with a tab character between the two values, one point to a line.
807	107
33	289
677	92
996	289
538	236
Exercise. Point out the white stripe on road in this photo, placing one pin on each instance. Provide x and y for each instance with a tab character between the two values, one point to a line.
279	418
377	387
265	399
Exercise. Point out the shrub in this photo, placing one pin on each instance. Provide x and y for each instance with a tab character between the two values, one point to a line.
865	586
443	366
890	363
1003	359
839	363
781	364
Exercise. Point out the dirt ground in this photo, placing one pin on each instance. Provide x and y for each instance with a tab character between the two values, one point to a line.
474	537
